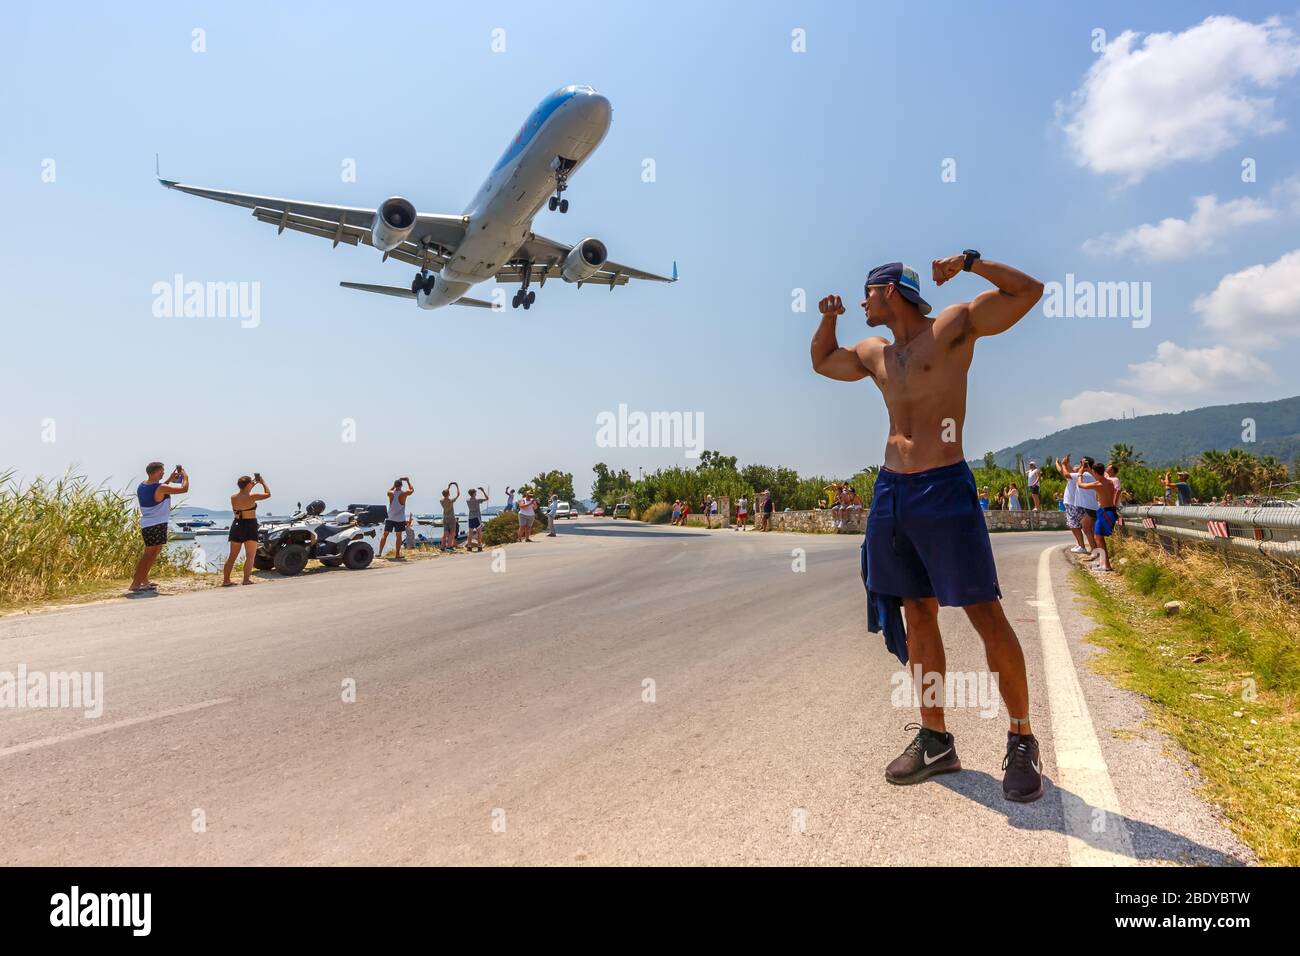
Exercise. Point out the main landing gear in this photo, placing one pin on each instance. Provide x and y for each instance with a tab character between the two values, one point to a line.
524	296
424	282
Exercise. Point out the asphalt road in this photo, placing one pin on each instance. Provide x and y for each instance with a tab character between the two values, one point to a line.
617	695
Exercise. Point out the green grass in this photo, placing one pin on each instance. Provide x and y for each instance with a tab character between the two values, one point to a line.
64	538
1223	678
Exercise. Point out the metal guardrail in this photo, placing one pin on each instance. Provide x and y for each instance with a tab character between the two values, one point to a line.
1263	530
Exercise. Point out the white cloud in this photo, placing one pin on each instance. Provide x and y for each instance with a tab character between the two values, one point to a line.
1096	406
1179	238
1176	370
1288	193
1256	306
1147	103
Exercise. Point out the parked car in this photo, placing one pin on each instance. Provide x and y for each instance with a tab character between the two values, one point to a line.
598	512
563	510
622	510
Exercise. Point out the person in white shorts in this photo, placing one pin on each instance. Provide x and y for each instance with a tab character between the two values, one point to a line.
1073	515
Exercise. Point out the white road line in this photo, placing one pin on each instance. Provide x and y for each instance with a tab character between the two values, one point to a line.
538	607
675	556
1095	828
105	728
559	600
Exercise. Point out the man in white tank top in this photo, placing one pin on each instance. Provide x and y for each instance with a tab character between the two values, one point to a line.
396	521
155	510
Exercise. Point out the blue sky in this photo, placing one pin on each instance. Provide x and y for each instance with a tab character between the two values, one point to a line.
775	170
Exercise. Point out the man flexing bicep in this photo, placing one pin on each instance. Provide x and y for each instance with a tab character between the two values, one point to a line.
828	358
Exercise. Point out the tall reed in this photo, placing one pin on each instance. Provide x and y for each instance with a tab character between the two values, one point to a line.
64	536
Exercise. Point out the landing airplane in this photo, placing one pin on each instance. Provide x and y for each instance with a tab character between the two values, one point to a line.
493	238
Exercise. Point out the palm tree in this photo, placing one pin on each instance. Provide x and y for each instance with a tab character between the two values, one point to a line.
1236	468
1271	473
1122	454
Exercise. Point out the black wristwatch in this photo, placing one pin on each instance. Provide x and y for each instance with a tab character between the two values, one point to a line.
971	255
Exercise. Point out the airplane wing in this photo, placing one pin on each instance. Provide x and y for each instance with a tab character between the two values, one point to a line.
548	255
429	246
401	293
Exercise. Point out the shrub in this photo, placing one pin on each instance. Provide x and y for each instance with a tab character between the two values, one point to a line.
1148	577
657	513
503	529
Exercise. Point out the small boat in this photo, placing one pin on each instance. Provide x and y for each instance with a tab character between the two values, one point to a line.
187	528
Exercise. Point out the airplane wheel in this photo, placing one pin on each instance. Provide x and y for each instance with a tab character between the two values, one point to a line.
528	302
417	283
553	203
430	284
564	205
514	302
532	297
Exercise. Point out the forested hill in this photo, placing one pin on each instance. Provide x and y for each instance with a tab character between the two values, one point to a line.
1174	437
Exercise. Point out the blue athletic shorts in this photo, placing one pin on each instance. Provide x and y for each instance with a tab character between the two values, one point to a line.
926	537
1107	518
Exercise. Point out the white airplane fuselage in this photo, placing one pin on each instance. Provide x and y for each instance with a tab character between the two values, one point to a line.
568	125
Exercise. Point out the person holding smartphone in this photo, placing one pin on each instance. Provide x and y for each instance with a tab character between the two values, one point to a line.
396	521
474	535
155	509
244	529
448	502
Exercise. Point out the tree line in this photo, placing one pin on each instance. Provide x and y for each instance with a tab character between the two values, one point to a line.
1212	475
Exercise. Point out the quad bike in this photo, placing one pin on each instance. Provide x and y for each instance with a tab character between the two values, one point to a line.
336	541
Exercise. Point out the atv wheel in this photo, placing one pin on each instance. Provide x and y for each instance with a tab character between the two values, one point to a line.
291	559
358	556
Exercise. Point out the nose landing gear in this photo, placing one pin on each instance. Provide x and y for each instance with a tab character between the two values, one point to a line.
561	167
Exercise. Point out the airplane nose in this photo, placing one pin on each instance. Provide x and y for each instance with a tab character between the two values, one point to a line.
597	109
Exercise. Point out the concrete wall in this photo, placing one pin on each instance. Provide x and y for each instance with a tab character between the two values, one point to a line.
819	522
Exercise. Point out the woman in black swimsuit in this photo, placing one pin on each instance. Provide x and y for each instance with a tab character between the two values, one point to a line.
243	530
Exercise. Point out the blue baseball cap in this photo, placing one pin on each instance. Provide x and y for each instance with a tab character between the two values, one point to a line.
904	278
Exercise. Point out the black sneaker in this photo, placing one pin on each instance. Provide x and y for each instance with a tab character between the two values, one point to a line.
1023	782
929	753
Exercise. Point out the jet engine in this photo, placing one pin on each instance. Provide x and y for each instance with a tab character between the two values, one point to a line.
394	221
584	260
